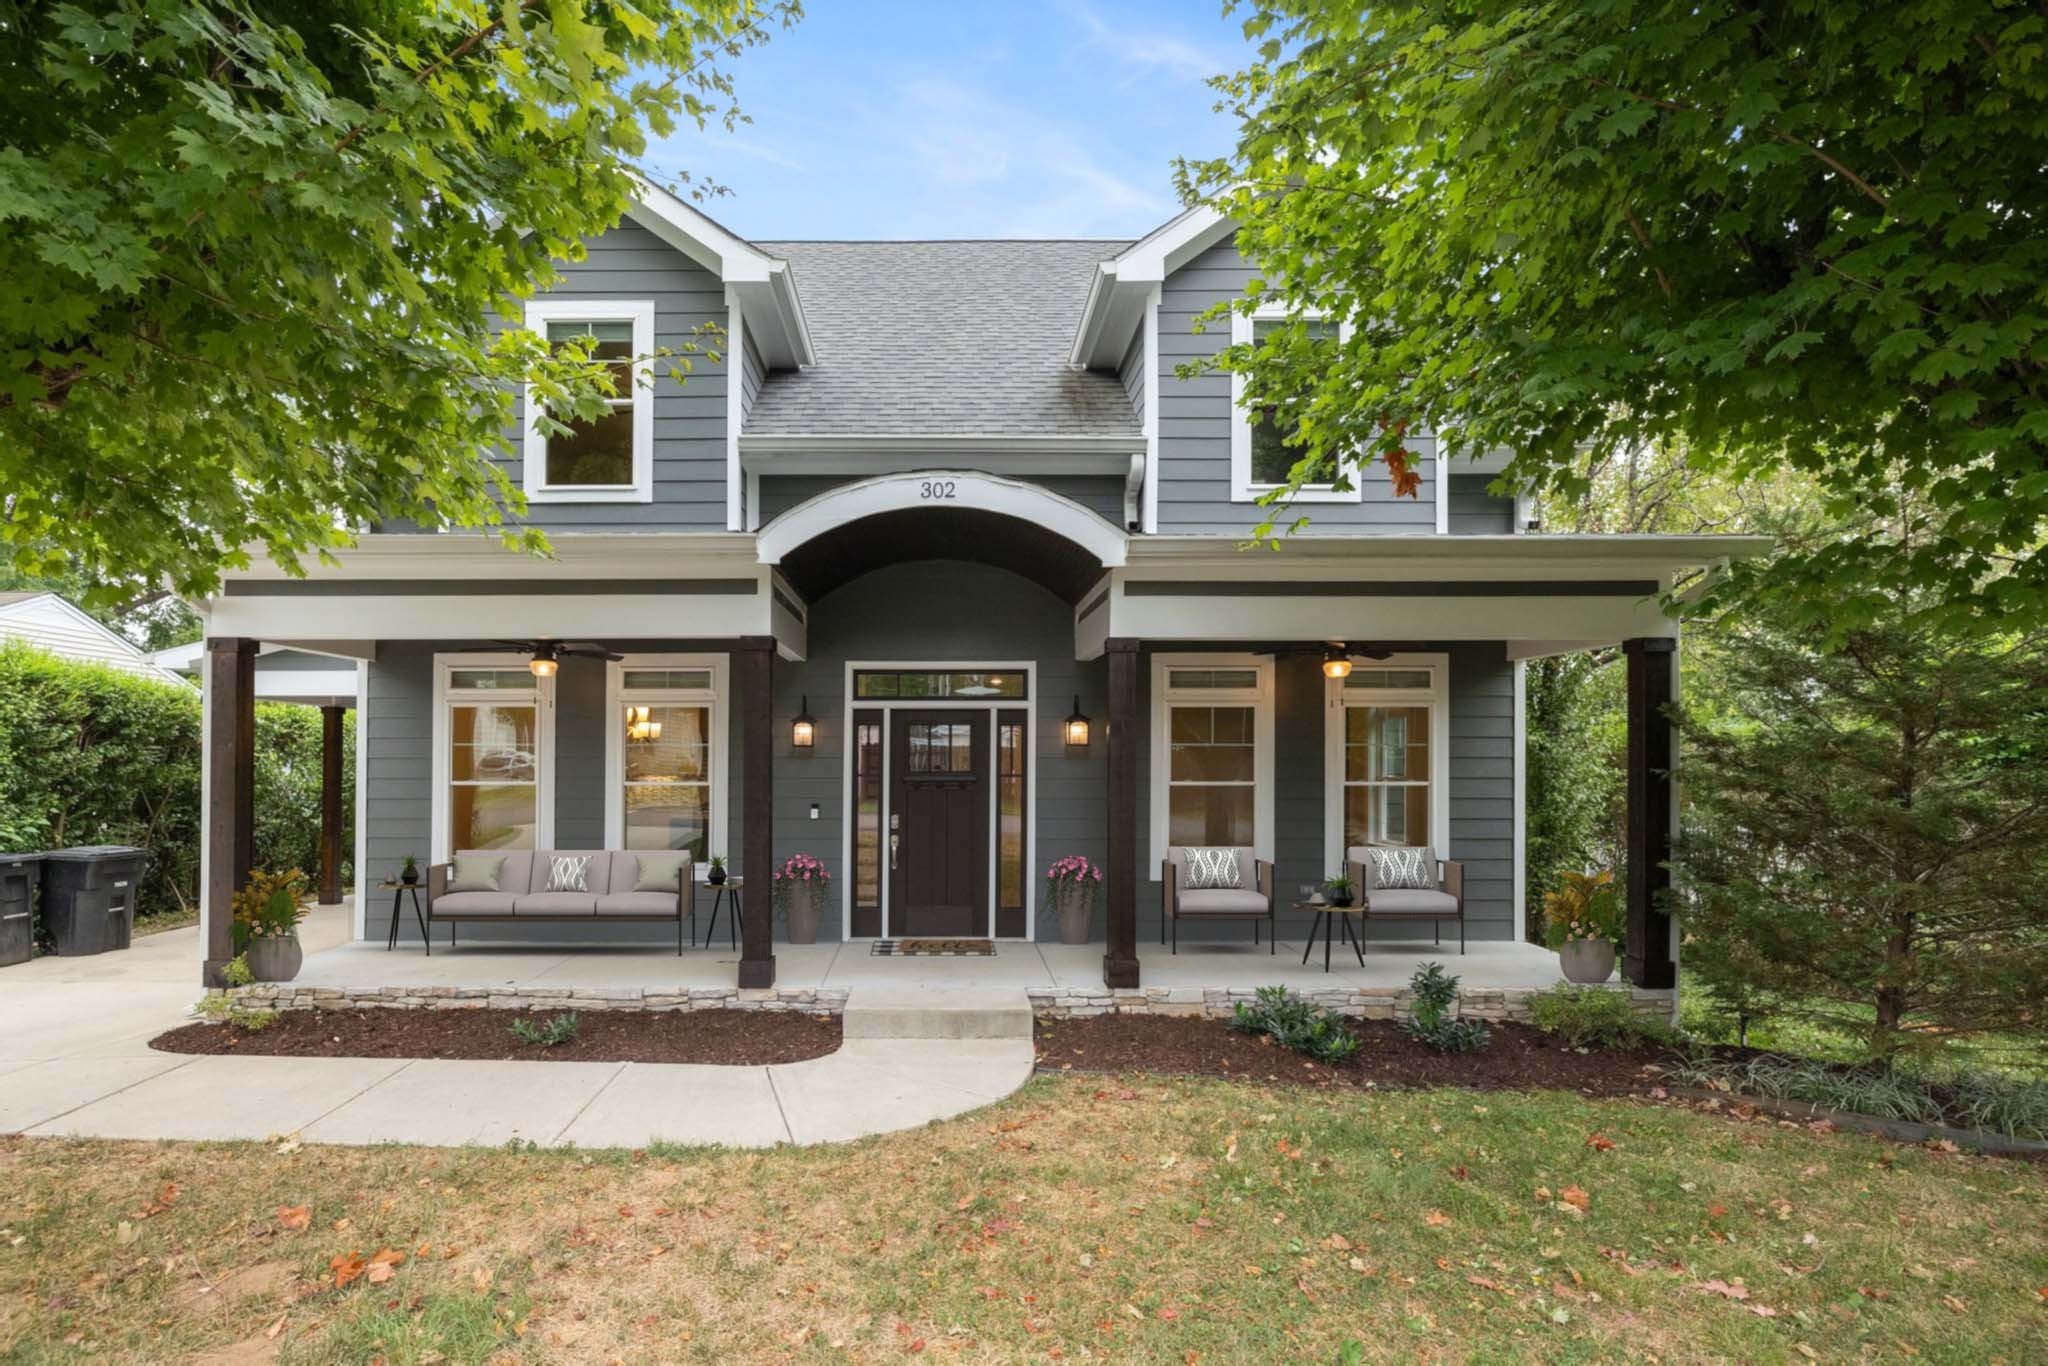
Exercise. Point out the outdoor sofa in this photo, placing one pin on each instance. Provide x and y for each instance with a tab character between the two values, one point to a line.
1251	899
1443	899
613	878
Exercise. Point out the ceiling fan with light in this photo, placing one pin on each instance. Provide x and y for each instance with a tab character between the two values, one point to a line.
547	654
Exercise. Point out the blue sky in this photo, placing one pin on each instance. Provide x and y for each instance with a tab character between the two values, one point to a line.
891	118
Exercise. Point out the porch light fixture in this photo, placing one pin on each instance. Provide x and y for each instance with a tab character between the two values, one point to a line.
803	732
544	662
1336	661
1077	727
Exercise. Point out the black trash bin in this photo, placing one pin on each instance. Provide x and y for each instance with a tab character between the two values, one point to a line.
89	896
19	874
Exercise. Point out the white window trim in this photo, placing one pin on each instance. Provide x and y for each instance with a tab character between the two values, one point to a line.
533	448
615	696
1437	697
543	696
1242	489
1261	700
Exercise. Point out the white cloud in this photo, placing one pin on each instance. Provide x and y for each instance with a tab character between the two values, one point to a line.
1145	51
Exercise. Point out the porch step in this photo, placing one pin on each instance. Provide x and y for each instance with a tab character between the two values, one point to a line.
933	1013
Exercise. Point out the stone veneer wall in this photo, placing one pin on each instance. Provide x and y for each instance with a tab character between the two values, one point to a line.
285	996
1365	1003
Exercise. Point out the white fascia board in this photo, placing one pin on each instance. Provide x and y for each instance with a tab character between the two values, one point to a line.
576	554
1172	245
1427	555
502	616
1167	620
942	490
1123	284
764	282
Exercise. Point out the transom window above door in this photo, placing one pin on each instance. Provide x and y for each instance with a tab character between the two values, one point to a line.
608	457
919	685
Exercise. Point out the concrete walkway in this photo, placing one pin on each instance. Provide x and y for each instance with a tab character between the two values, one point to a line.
75	1060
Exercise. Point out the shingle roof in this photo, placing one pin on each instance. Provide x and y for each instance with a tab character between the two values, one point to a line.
943	338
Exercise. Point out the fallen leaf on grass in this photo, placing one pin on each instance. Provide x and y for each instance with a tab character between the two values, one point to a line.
166	1196
1723	1289
1436	1218
383	1265
1576	1198
1599	1143
295	1218
346	1267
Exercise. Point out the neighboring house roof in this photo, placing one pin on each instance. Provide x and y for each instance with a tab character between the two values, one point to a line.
936	339
282	673
46	621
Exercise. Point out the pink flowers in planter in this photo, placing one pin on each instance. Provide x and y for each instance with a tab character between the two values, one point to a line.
802	870
1072	871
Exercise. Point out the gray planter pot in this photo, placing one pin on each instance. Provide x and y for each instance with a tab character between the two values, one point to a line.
804	910
275	958
1076	910
1588	962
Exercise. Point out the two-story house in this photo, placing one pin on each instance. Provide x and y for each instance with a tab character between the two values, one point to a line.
939	575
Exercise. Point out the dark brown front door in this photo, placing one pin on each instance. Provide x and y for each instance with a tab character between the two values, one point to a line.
938	823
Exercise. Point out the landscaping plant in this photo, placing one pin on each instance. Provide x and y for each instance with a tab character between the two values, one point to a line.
1585	906
1297	1023
1964	1099
1431	1018
269	906
1594	1017
552	1032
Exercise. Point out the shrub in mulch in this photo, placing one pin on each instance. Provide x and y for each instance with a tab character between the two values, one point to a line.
1518	1057
739	1038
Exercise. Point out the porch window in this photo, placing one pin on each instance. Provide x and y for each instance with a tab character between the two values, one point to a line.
1262	452
1389	724
609	458
666	755
491	756
1212	754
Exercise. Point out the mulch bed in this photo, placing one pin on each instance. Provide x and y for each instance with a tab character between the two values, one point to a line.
738	1038
1517	1057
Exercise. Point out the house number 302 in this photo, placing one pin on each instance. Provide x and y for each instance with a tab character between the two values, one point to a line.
935	488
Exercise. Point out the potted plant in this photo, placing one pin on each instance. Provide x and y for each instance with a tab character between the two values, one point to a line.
409	871
1582	922
800	896
716	877
1072	885
268	910
1337	890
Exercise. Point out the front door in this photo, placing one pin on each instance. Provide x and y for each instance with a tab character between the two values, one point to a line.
938	823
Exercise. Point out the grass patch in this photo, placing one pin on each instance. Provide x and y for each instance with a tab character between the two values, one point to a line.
166	920
1128	1219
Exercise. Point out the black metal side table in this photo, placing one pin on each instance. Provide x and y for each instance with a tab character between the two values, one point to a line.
1327	919
735	915
398	891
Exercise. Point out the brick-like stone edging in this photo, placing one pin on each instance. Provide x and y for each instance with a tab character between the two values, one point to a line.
1366	1003
287	996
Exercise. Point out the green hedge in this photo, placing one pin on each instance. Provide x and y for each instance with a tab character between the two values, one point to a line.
92	755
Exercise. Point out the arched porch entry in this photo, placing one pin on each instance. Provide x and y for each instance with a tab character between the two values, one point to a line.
893	571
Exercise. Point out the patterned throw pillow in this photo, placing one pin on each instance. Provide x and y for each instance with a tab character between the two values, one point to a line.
658	872
568	873
1401	869
1212	869
475	872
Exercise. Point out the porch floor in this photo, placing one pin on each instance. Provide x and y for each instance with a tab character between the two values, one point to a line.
524	967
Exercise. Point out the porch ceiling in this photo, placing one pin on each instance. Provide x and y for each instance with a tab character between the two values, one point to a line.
1024	548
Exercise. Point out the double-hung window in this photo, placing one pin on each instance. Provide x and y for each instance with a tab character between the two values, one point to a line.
492	752
1262	449
666	754
608	458
1212	752
1387	742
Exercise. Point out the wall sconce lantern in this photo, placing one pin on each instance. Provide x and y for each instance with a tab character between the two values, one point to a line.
1336	661
803	732
544	662
1077	727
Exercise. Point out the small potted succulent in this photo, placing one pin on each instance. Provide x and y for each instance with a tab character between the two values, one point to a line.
409	871
716	877
1337	890
800	896
1583	923
267	915
1073	886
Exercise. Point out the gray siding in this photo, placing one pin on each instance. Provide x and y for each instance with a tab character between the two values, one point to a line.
1475	512
1194	425
1131	370
630	262
397	738
1101	494
752	374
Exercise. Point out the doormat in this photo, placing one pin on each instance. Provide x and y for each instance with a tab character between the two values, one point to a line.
933	948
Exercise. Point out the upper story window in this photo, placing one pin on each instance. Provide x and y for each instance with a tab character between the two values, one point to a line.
1261	453
608	459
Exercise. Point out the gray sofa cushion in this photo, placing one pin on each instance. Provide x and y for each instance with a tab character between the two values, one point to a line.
476	873
455	905
653	871
637	903
1411	901
1220	901
515	874
555	903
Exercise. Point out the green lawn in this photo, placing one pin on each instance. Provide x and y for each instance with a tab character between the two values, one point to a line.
1132	1219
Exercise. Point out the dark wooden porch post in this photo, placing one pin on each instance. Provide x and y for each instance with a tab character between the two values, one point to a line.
330	805
1652	747
753	684
1120	963
231	793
